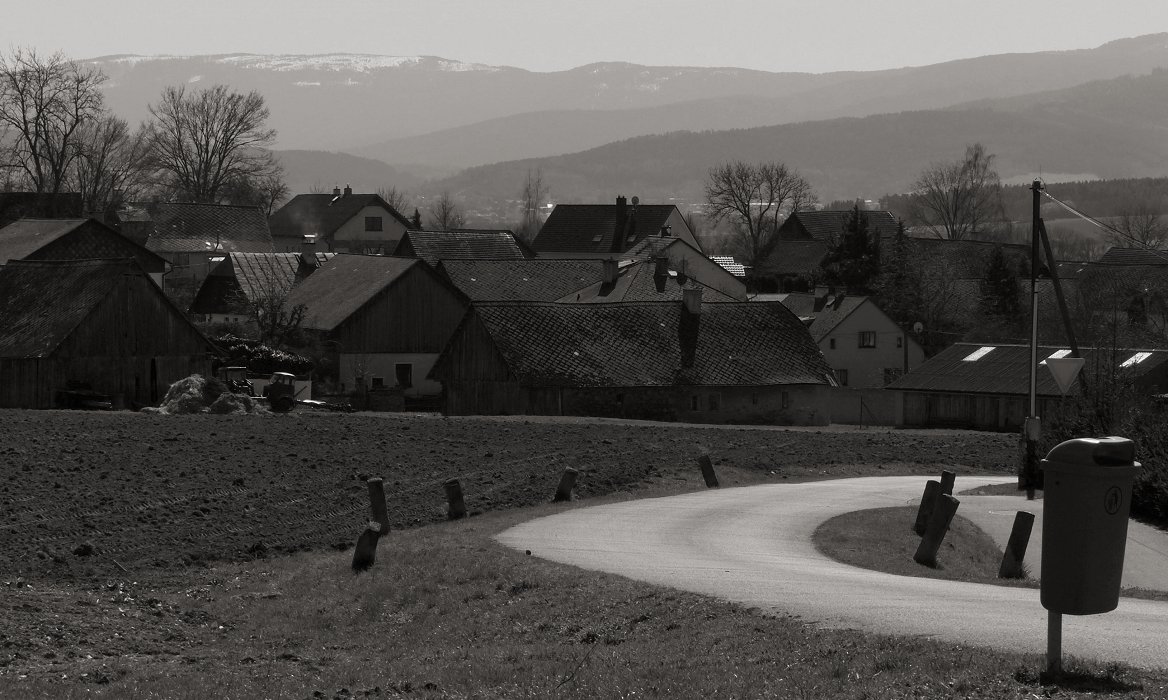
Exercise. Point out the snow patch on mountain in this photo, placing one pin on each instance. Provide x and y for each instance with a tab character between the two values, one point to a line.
361	63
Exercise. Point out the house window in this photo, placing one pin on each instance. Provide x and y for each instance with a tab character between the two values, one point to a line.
182	259
841	377
867	339
831	343
404	372
373	223
900	341
714	400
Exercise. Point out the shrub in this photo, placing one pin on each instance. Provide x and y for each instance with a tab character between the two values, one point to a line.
261	358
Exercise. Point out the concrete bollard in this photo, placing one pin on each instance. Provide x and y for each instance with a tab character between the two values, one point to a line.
365	552
456	506
939	521
567	483
932	490
948	478
377	503
708	471
1016	548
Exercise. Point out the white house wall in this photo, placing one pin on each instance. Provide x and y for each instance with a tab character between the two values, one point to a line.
865	366
355	368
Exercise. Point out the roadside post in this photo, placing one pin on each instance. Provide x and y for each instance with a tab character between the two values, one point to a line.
928	502
567	483
1088	487
456	505
708	471
377	503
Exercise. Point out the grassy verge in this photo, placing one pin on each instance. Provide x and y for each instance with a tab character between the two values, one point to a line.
450	613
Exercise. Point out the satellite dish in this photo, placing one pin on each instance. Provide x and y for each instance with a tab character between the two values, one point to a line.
636	201
918	327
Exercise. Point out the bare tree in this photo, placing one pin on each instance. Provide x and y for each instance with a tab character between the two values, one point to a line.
1139	225
531	199
445	213
753	199
44	102
961	197
109	169
398	199
265	299
265	191
209	141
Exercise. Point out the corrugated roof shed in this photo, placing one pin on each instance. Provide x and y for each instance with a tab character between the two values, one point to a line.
42	302
1005	369
637	344
193	228
590	228
539	279
323	214
343	285
460	244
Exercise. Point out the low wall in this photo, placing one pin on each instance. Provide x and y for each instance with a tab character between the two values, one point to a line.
867	406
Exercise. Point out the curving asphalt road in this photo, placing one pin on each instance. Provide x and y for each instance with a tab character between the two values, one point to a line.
753	546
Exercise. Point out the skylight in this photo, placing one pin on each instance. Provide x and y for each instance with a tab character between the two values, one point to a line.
1135	359
1056	355
977	354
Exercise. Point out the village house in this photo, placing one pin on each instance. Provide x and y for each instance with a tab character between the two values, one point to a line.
383	319
985	386
604	230
733	362
246	282
461	244
828	225
341	222
100	326
74	239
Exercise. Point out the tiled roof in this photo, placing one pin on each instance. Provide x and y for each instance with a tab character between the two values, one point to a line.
729	264
1134	256
638	344
460	244
794	258
193	228
260	274
589	228
539	279
636	281
323	214
1006	369
830	313
24	238
827	225
343	285
41	302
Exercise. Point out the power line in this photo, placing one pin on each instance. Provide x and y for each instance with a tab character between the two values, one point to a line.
1106	227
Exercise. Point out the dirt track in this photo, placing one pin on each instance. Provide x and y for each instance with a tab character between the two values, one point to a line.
86	496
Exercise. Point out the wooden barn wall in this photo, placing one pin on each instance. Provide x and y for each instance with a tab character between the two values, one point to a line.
976	411
418	313
23	384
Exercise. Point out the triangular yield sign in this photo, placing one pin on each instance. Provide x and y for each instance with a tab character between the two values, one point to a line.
1064	370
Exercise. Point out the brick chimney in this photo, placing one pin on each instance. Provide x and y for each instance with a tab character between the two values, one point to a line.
689	325
348	190
660	273
610	269
667	231
336	191
618	229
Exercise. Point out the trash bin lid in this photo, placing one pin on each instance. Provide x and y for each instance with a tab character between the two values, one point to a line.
1102	452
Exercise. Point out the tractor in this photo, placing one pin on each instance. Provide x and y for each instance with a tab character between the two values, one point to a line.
281	392
236	380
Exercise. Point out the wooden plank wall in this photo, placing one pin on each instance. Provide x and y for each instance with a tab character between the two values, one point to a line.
417	313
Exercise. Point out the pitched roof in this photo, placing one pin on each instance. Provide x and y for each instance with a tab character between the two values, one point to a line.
590	228
1005	369
460	244
826	313
323	214
636	281
638	344
26	237
729	264
260	274
343	285
191	228
794	258
539	279
827	225
42	302
1134	256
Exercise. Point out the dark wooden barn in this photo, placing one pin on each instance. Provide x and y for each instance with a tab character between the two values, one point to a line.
101	324
74	239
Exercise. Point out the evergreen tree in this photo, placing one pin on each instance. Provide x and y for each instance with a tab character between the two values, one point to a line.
854	260
1000	306
898	288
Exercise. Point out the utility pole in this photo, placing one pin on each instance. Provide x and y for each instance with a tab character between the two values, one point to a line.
1032	427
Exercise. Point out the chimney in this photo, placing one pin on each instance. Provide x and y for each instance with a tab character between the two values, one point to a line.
308	244
336	191
348	190
609	271
618	229
688	326
821	295
660	273
667	231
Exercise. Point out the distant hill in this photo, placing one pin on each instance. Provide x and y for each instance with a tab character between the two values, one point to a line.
321	171
1113	128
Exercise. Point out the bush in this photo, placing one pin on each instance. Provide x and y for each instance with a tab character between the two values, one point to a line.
261	358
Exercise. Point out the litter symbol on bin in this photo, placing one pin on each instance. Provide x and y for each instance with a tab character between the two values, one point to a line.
1112	500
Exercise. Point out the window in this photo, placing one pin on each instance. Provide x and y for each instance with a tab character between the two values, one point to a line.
841	377
714	401
900	341
831	343
405	374
867	339
373	223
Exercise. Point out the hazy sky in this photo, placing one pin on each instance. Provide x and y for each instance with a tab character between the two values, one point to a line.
543	35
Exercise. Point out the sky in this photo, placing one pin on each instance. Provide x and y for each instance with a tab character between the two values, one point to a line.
547	35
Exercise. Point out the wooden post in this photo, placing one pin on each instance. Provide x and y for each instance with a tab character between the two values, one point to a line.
567	483
377	503
456	505
1016	548
935	533
932	490
948	478
708	471
365	552
1054	644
